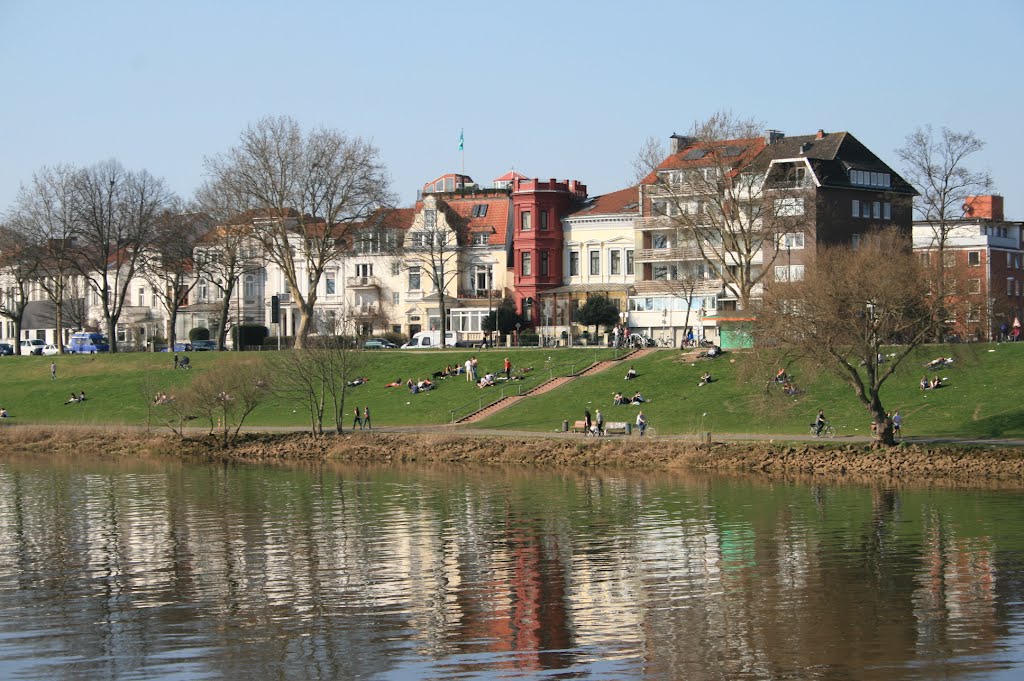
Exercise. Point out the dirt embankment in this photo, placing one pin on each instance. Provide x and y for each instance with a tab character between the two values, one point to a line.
905	463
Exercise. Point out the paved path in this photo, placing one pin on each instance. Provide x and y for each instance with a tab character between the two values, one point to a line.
549	385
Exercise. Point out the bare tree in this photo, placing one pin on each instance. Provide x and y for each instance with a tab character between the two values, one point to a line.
172	269
228	251
45	212
18	269
319	375
116	211
936	165
225	396
433	246
712	194
311	189
851	304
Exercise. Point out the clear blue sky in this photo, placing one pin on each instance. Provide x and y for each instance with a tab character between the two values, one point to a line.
555	89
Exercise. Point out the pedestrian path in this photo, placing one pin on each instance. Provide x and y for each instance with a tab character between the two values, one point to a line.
549	385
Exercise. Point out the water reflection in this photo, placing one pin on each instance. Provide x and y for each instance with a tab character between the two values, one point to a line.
163	571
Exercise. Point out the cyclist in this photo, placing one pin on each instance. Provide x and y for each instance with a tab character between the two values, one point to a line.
819	423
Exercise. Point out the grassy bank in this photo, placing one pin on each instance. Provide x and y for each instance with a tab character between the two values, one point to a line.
980	397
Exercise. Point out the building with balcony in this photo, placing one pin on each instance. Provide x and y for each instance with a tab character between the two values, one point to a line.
982	268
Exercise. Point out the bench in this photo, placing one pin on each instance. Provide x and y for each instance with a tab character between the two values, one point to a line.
613	427
579	427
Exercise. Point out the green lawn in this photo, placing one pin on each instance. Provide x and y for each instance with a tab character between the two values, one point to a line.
120	387
981	397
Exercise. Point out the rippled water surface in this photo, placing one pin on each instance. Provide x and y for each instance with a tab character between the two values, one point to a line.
173	571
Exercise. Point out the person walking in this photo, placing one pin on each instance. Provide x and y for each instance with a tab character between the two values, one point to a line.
358	420
587	421
175	360
600	423
897	424
53	371
366	418
508	369
641	423
473	361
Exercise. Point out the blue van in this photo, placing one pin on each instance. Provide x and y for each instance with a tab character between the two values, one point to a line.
88	343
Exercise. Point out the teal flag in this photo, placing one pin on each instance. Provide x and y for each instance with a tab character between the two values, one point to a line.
460	140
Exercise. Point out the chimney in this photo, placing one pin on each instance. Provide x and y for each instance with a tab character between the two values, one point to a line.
820	135
986	207
773	136
679	142
805	147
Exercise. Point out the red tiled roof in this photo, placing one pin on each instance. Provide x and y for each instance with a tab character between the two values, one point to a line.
495	221
509	176
614	203
749	148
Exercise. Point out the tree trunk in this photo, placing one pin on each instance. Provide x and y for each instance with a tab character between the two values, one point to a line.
59	321
883	425
305	322
225	310
112	333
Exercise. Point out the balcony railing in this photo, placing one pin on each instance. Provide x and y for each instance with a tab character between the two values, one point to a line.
364	310
668	254
363	282
477	293
703	287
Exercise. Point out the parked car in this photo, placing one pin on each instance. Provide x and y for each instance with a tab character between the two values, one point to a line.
378	344
203	345
50	349
88	343
33	346
6	349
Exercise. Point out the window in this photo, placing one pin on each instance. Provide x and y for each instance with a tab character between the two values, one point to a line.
926	259
480	238
395	298
544	263
659	272
482	280
791	206
525	224
948	259
629	261
480	210
543	219
866	178
396	269
250	286
876	210
1009	286
330	282
792	241
527	259
142	296
659	241
615	262
364	270
855	241
202	291
974	286
789	272
974	258
887	211
414	278
856	208
659	207
973	312
595	263
574	263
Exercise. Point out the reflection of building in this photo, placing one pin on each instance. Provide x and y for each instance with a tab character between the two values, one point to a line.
983	267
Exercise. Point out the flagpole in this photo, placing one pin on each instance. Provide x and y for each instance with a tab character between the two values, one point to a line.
462	153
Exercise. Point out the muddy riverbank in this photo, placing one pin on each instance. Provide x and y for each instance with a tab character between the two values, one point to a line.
906	463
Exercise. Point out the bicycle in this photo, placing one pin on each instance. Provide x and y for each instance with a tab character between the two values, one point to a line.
826	430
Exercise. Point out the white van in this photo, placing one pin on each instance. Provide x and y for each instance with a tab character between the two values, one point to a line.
430	339
32	346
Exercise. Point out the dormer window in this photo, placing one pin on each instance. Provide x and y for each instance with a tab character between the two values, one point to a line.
865	178
480	210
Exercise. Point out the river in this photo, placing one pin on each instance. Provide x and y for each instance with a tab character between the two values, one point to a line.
167	570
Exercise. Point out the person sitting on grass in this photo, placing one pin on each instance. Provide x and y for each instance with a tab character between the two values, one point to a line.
184	364
618	399
924	383
81	396
781	376
936	382
705	379
3	413
637	399
72	400
486	382
425	385
631	374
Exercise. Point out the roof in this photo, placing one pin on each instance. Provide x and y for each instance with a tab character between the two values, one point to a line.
623	201
509	176
728	153
495	218
831	156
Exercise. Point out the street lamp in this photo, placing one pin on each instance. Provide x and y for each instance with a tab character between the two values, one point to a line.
490	285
